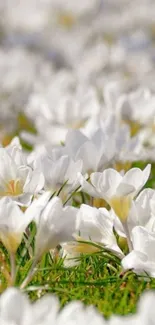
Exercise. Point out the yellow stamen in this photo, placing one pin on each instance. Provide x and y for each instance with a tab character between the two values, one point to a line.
99	203
13	188
76	124
134	126
123	166
66	20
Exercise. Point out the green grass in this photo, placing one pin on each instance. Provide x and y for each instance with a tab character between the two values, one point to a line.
98	280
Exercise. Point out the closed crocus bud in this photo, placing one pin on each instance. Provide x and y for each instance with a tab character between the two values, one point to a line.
13	223
55	225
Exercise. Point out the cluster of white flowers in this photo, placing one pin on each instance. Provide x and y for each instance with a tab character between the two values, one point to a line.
45	184
72	61
77	85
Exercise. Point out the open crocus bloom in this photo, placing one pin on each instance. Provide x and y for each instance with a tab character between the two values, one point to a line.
18	181
117	189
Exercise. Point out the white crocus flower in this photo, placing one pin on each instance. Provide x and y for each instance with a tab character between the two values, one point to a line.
94	151
96	225
47	311
118	190
18	181
76	314
142	257
58	171
101	144
13	223
60	103
94	231
114	137
138	106
57	108
55	225
140	214
16	309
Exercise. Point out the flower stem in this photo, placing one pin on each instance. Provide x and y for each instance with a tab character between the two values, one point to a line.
13	268
126	229
30	275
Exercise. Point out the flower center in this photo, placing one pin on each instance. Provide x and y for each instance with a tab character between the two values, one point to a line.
66	20
13	188
122	166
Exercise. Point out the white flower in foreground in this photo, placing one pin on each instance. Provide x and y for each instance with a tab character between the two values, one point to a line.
142	257
55	224
16	309
117	189
18	181
13	223
76	314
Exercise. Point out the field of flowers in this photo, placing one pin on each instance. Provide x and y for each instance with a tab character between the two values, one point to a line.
77	162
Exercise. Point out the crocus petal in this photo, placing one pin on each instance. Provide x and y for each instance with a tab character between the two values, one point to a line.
87	187
137	178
